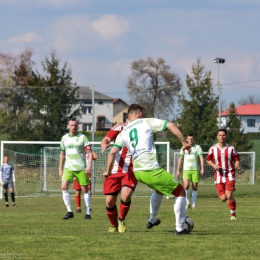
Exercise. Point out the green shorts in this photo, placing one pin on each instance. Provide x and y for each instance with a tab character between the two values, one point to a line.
193	176
80	176
158	179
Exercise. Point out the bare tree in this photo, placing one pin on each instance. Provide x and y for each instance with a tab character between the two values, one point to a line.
153	85
249	100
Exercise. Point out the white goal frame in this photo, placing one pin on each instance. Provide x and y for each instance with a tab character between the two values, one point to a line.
94	144
210	170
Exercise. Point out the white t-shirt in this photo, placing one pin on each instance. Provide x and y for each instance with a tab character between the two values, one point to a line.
137	136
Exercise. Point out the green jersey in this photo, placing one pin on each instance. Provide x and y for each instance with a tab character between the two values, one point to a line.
190	162
137	136
74	147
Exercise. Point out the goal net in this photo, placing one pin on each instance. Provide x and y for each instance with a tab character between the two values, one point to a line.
246	174
37	167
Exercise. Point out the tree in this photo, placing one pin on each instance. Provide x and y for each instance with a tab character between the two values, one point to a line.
53	100
153	85
197	111
236	135
249	100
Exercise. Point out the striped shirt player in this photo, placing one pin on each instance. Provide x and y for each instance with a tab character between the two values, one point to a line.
73	147
191	169
7	180
224	159
137	136
122	180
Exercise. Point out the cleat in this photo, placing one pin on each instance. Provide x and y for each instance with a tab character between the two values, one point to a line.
78	211
6	205
149	225
187	206
193	206
183	232
14	205
112	229
87	217
233	218
121	226
68	215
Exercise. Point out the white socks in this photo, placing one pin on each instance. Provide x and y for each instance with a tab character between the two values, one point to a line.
155	203
194	197
66	199
87	200
180	212
187	196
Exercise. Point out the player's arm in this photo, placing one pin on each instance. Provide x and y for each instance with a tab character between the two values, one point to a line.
62	160
110	161
1	182
90	158
13	173
179	166
201	165
211	163
236	159
176	131
105	143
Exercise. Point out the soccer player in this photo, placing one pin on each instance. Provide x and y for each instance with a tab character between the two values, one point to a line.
121	180
224	159
191	169
7	180
137	136
73	164
77	187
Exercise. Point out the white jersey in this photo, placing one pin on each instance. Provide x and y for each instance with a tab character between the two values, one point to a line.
137	136
74	147
190	162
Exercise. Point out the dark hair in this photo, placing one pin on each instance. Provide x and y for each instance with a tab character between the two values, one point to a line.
222	130
190	134
135	107
72	119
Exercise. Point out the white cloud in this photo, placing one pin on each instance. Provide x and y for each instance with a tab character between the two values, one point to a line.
111	26
28	37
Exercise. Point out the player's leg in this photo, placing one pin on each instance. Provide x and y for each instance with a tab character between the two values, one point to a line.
77	188
155	203
5	188
230	187
186	184
11	190
111	189
195	181
67	177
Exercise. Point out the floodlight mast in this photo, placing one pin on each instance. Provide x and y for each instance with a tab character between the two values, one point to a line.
219	61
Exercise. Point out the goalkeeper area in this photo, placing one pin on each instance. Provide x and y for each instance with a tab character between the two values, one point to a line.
37	168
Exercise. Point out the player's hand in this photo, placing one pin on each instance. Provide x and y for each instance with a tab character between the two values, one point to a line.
202	172
186	147
177	174
216	167
237	165
88	170
106	174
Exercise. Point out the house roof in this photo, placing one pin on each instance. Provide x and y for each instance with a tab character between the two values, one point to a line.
119	99
246	110
85	93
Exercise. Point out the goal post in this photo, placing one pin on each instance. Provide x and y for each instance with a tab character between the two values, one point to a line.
37	167
245	175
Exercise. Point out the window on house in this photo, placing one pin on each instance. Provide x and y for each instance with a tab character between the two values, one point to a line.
87	102
100	102
251	122
87	127
124	117
86	110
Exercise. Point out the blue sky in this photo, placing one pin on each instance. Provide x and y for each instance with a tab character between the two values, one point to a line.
100	39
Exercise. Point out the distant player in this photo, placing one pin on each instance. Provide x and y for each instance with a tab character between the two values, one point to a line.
224	159
73	147
137	136
7	180
191	169
77	187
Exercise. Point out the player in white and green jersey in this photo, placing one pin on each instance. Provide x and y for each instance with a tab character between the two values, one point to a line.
191	169
137	136
73	163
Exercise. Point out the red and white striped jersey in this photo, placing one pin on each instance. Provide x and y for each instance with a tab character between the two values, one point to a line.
123	162
225	158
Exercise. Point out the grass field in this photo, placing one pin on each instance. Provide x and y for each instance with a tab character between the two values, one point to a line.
35	230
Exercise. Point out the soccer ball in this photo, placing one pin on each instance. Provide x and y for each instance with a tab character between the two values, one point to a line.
189	223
